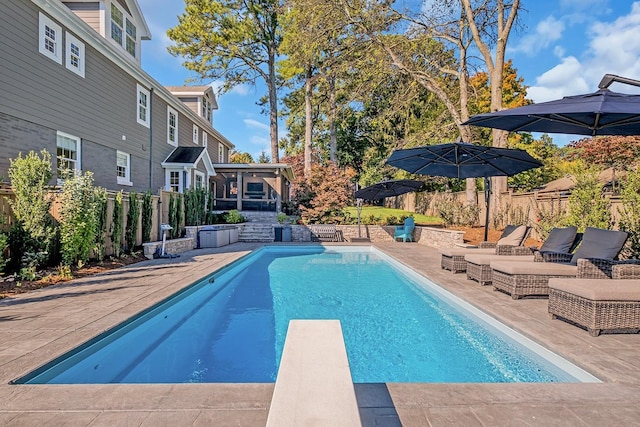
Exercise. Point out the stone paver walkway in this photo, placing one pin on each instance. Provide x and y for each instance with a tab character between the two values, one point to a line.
38	326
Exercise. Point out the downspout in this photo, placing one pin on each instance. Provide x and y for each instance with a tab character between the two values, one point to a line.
151	139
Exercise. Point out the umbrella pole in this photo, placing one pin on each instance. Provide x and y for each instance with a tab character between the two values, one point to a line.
487	197
359	209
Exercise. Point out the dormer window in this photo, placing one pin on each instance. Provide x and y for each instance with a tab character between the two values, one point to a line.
206	109
123	30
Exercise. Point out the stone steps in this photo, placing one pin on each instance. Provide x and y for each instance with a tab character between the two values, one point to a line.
256	232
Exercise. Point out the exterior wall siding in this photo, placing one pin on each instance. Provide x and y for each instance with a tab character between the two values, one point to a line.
89	12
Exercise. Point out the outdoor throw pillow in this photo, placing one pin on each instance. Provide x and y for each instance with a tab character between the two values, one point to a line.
559	240
514	238
600	243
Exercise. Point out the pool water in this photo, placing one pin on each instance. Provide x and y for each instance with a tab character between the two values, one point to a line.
231	327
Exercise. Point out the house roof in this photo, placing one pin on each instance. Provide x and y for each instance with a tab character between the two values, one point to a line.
193	91
284	168
188	157
566	183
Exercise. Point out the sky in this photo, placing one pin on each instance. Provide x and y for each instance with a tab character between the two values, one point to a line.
561	47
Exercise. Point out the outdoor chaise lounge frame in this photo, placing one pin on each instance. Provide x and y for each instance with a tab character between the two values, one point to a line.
324	233
594	259
452	259
599	305
563	240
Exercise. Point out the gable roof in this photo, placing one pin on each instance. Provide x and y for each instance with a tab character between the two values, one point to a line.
188	157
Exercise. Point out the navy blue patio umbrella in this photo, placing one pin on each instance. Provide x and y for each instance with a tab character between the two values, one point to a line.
600	113
464	160
385	189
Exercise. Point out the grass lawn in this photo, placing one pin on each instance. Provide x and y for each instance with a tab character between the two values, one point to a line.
382	212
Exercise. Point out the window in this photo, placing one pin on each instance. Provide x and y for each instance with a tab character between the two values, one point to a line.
68	154
199	180
74	54
220	154
172	127
50	39
206	109
204	139
123	168
123	30
143	106
174	180
195	134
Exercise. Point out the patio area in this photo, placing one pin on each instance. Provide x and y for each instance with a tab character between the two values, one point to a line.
37	326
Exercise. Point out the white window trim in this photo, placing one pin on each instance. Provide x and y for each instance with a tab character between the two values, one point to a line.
195	133
220	154
126	180
71	39
174	112
147	121
196	174
167	179
125	17
44	21
78	165
205	138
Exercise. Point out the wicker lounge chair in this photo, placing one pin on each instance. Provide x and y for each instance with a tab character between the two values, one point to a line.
599	304
528	278
453	258
562	240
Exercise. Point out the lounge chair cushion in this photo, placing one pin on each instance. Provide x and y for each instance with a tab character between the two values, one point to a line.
463	251
514	236
560	240
485	259
600	243
599	289
534	268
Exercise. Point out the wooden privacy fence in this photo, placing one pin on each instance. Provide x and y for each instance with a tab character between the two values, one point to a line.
157	219
514	207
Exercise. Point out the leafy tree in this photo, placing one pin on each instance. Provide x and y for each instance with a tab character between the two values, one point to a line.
79	218
30	180
101	223
242	158
619	152
264	157
133	215
235	41
542	149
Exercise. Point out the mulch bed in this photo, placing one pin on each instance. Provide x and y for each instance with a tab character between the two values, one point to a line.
11	285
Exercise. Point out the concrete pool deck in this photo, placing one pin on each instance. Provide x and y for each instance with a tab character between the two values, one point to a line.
40	325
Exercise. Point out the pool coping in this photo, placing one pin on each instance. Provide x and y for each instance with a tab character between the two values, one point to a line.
40	325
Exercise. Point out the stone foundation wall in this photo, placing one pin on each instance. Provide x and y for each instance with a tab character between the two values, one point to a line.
173	246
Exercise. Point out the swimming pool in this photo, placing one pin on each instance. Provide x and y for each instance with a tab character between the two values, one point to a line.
231	326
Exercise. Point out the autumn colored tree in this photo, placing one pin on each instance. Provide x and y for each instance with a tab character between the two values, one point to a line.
618	152
238	157
323	193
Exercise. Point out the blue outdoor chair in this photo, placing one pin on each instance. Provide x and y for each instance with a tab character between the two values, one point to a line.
405	232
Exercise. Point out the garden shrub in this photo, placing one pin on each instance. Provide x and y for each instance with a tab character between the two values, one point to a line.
234	217
630	213
4	244
172	215
454	212
30	178
116	225
177	230
79	218
147	216
549	218
131	229
101	224
588	207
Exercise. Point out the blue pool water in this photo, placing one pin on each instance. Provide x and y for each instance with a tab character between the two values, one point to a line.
231	327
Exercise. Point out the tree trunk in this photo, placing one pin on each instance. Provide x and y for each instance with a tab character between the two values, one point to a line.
308	125
333	144
273	107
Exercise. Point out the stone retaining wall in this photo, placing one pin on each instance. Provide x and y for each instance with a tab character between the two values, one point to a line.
173	246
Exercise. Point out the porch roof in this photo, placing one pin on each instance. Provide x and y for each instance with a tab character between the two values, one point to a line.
285	169
188	157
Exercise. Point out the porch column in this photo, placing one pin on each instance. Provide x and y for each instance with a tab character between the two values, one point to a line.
240	192
278	192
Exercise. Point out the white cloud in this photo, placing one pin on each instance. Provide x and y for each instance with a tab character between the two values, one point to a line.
613	47
547	31
255	124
